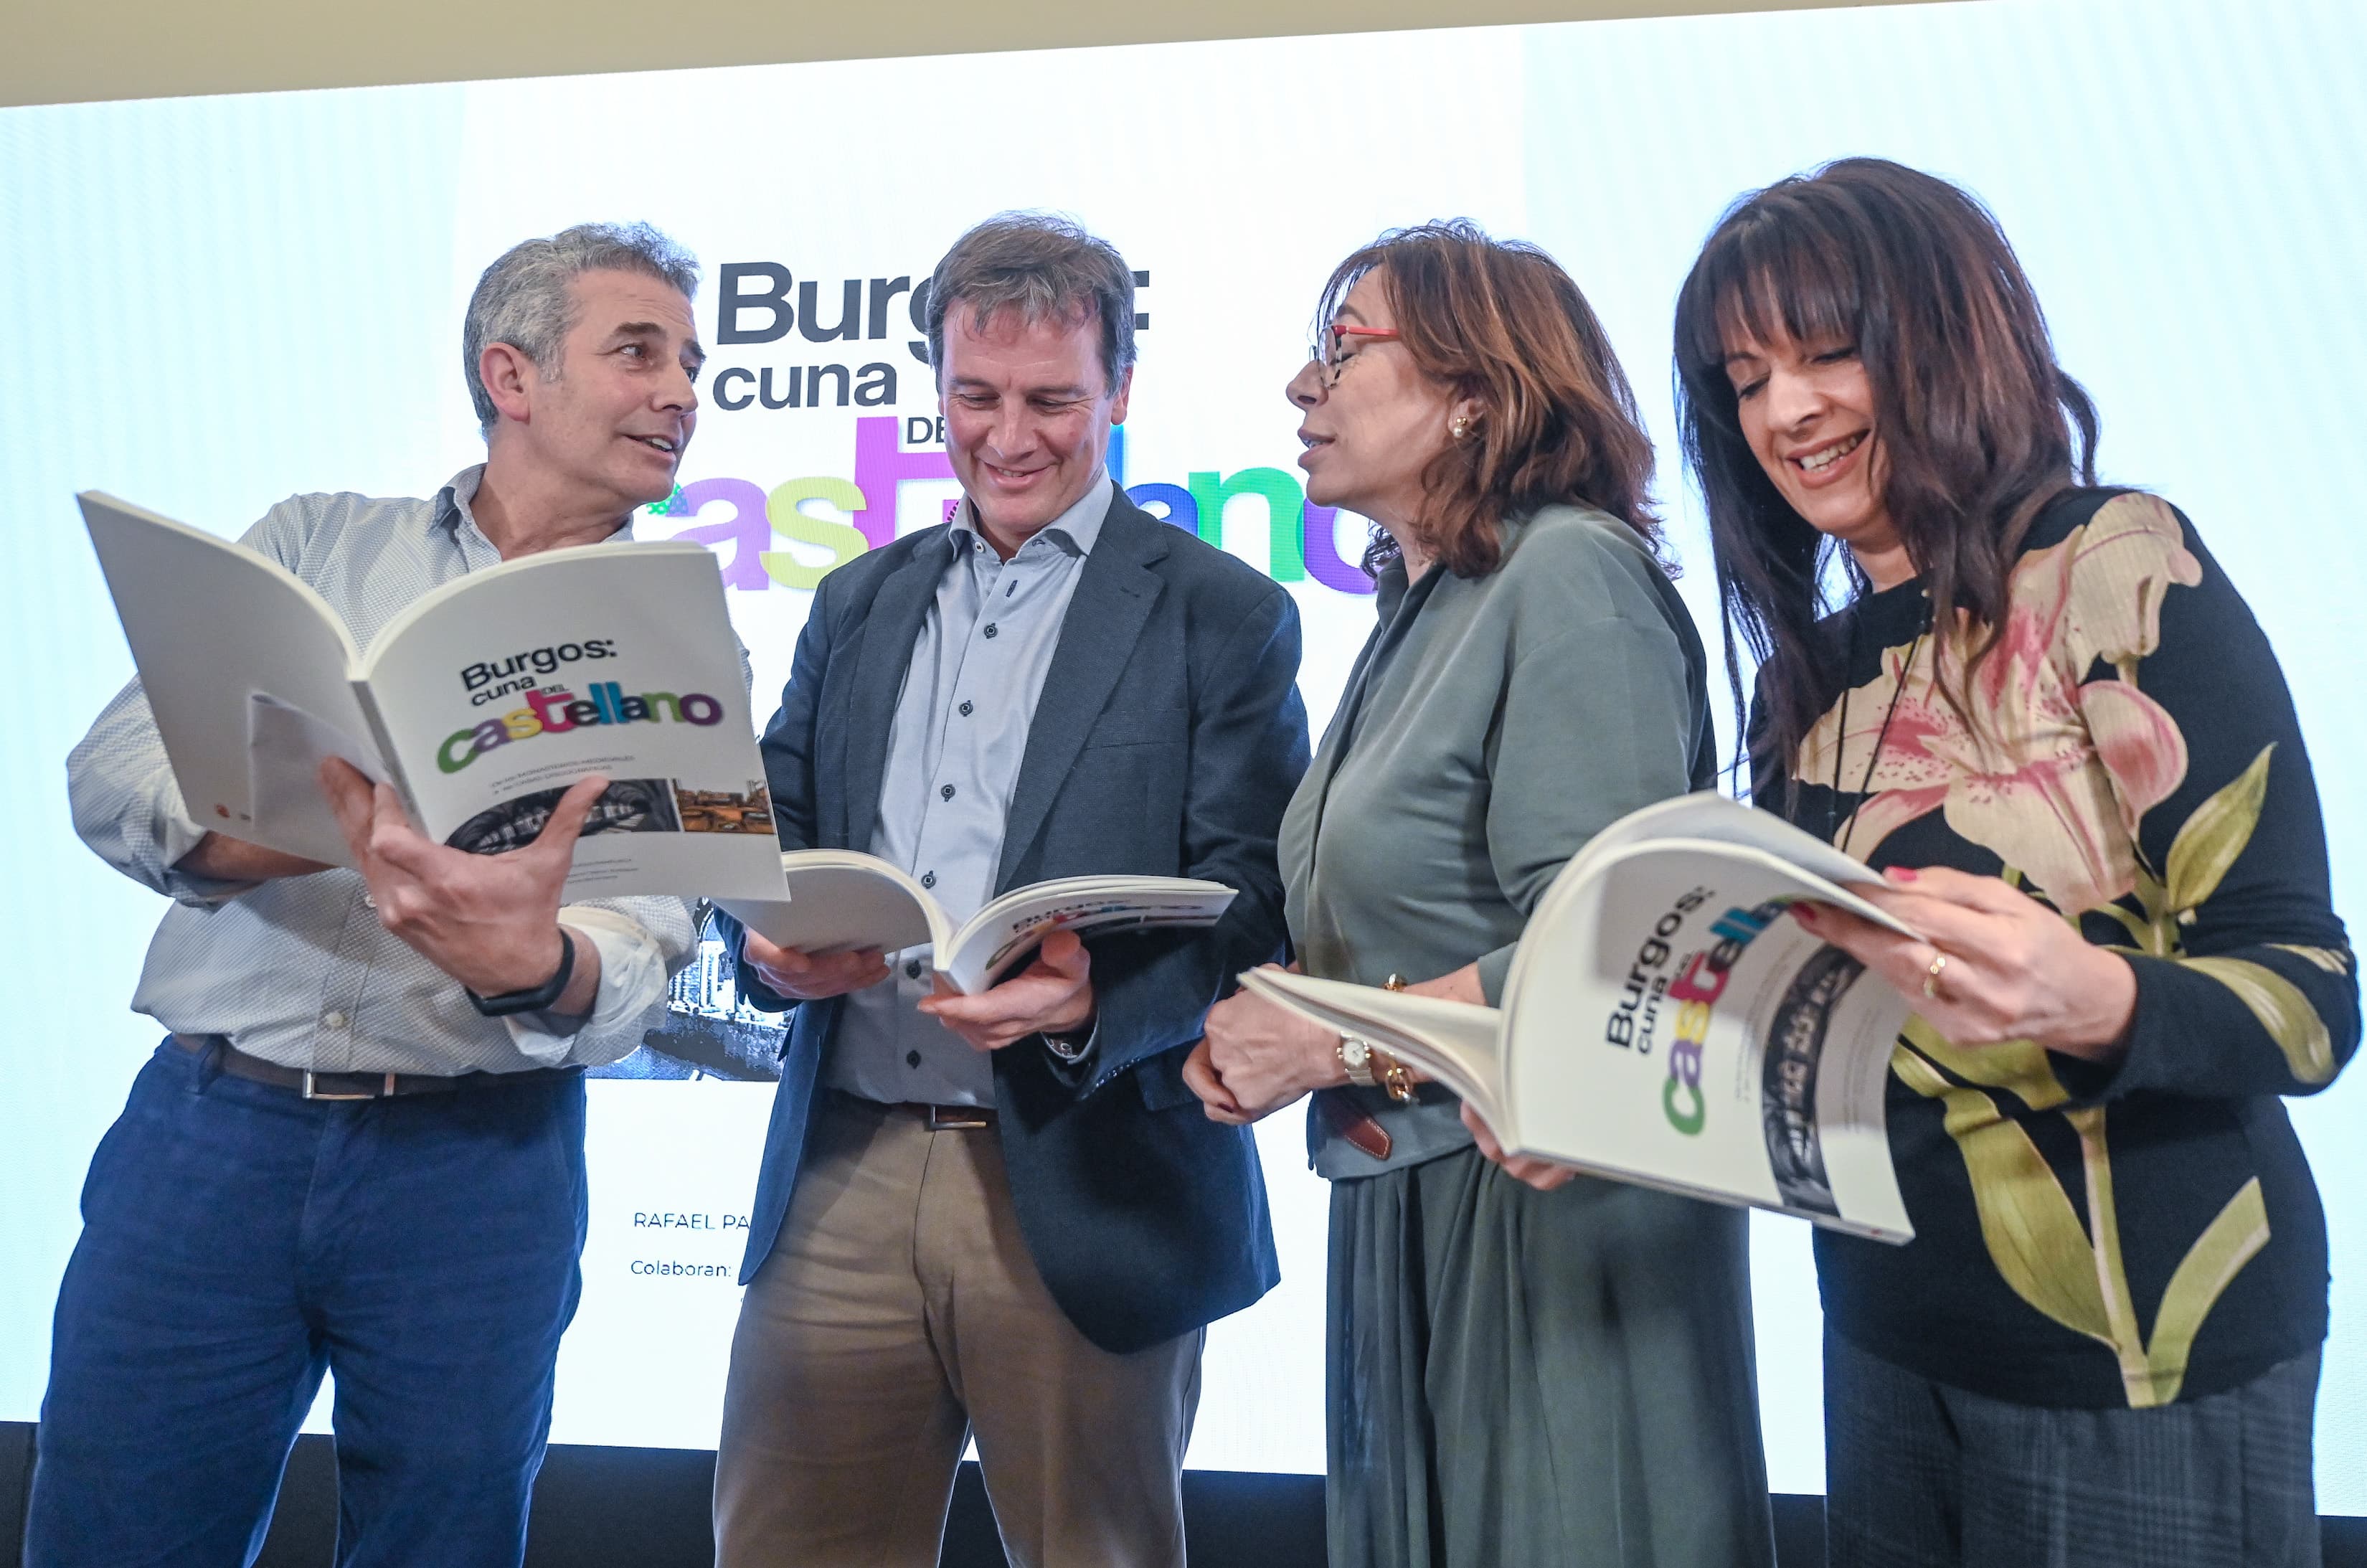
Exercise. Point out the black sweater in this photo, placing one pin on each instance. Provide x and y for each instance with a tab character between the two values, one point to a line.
2088	1235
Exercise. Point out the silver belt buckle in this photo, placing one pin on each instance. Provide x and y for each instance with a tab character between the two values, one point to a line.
385	1093
957	1118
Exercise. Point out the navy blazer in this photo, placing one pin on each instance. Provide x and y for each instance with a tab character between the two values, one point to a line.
1167	741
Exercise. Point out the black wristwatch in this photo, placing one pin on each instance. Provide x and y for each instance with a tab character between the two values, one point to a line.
542	996
1070	1045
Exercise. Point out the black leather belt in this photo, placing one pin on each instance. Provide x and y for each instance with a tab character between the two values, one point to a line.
355	1086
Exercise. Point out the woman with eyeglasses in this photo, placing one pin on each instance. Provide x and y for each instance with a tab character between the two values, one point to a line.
1525	1366
2040	707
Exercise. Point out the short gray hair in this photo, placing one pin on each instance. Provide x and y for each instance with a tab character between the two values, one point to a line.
1046	267
523	297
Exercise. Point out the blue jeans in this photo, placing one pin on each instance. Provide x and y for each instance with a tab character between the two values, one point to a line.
237	1241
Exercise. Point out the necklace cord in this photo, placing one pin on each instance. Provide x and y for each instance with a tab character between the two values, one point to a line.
1841	742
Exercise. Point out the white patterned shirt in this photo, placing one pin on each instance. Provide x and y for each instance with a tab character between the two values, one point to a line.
298	969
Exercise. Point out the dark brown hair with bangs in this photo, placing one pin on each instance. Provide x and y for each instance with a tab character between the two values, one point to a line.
1500	322
1976	418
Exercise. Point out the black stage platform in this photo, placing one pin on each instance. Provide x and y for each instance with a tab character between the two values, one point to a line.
601	1507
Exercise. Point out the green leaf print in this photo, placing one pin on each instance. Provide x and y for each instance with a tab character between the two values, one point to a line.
2283	1010
2070	1272
2216	834
2033	1236
2334	960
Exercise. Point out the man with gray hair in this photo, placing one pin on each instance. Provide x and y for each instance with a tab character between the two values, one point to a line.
360	1148
1004	1216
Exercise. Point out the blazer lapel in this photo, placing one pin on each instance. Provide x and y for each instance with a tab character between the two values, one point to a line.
1105	617
889	632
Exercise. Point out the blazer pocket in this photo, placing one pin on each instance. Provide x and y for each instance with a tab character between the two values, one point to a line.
1140	727
1161	1079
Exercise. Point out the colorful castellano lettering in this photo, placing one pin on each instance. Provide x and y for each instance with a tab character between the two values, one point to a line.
555	711
1302	540
1696	991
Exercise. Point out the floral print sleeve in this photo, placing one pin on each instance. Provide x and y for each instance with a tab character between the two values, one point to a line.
2245	983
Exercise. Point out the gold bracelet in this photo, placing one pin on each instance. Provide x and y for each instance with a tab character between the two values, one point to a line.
1394	1075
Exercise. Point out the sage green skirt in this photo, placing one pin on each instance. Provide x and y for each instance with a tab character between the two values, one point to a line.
1527	1380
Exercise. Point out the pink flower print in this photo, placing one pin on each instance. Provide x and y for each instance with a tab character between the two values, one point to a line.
2053	776
2138	742
1911	777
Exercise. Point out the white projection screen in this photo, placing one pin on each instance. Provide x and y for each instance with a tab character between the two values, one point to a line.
219	302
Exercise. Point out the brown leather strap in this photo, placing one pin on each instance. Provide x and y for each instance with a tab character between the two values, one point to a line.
238	1063
1347	1121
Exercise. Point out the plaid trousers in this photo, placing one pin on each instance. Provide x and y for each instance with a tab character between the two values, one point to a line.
1921	1475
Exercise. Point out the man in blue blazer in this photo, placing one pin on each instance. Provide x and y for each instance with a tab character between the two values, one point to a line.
1005	1216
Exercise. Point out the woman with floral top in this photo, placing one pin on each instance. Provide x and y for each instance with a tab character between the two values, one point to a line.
2039	707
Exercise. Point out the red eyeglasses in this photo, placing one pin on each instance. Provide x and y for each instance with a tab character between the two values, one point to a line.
1325	350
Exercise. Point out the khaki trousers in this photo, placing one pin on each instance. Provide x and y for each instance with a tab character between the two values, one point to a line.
901	1313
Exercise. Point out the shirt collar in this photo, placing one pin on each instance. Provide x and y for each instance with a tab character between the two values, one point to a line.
1075	530
456	506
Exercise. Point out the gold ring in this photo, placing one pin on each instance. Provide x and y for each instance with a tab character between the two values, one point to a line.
1932	974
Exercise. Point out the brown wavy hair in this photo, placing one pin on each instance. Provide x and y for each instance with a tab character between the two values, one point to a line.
1500	322
1980	427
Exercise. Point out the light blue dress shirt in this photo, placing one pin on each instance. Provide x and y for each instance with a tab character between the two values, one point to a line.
954	751
298	969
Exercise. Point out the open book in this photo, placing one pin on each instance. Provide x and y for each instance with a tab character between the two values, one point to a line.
1664	1024
842	898
480	702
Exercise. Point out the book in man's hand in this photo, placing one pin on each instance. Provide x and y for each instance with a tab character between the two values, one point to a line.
842	899
480	702
1663	1023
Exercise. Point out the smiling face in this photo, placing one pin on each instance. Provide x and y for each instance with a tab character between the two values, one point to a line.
607	425
1807	413
1028	412
1373	422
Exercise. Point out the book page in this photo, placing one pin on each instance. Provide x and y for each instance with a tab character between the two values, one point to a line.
499	691
1668	1024
1454	1042
997	937
285	748
1707	814
841	900
210	623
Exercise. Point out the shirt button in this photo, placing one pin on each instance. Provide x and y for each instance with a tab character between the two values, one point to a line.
965	710
946	793
333	1020
928	879
990	629
913	968
911	1059
369	902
